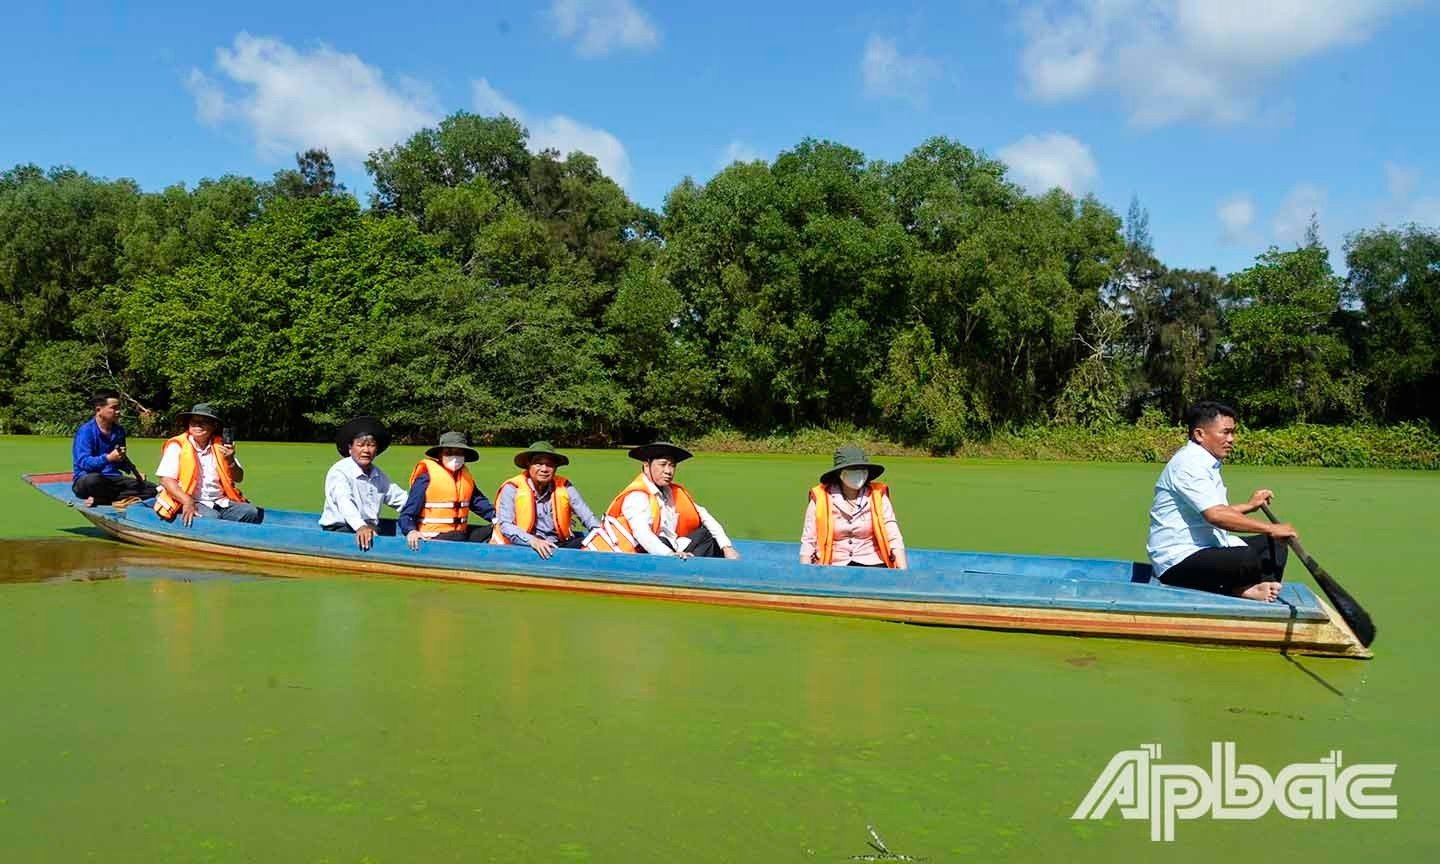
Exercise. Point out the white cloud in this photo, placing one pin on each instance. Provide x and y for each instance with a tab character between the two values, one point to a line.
1043	162
602	26
737	151
1293	218
1172	60
888	72
558	132
1236	214
1403	204
209	98
293	100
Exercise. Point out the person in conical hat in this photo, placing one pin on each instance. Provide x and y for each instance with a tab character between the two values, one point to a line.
199	475
850	520
443	495
355	487
537	507
658	516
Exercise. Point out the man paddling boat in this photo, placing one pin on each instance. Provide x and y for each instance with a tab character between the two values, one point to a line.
1190	543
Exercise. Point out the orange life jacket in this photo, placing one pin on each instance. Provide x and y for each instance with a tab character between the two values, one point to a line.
617	535
525	507
447	498
825	524
166	506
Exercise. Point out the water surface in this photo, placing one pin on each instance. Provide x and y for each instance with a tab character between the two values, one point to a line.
160	709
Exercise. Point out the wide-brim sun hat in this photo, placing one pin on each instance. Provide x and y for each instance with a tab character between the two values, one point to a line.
540	448
851	457
454	441
201	409
358	427
660	450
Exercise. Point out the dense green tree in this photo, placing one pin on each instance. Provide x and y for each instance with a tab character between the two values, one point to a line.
1284	358
1395	279
462	148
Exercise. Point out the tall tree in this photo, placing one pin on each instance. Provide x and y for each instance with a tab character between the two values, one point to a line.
1395	279
1285	359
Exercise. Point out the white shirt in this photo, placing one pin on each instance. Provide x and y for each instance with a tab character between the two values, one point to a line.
353	497
210	492
636	508
1189	485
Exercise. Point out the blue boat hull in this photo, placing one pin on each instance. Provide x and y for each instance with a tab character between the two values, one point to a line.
1080	596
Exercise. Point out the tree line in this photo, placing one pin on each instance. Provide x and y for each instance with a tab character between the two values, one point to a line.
521	295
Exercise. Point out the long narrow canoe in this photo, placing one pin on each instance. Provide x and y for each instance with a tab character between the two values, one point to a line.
1078	596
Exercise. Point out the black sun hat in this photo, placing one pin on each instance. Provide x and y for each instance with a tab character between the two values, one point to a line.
660	450
360	427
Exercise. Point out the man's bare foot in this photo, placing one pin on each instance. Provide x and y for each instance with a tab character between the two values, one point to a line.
1266	591
90	502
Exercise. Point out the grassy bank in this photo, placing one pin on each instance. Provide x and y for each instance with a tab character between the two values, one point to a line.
1304	445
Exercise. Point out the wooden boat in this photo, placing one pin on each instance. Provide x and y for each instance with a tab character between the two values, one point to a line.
1077	596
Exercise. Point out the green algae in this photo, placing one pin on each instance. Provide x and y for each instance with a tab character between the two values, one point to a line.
156	710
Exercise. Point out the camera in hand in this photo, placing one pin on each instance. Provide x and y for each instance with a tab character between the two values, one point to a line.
227	436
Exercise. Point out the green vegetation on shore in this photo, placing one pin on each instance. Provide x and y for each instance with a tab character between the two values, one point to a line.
518	295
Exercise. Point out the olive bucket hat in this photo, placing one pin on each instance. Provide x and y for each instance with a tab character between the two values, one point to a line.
454	441
540	448
851	457
201	409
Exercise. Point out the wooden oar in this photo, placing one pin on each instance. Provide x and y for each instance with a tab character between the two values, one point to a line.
1353	613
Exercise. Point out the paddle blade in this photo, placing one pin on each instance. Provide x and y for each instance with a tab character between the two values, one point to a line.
1349	609
1346	606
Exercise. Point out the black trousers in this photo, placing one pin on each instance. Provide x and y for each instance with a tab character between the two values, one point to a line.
107	489
702	544
1228	569
473	534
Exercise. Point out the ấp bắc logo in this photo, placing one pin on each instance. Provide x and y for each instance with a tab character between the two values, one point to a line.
1145	788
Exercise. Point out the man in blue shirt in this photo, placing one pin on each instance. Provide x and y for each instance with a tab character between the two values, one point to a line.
98	459
1191	518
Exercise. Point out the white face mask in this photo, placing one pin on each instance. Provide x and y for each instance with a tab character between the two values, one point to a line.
454	463
854	477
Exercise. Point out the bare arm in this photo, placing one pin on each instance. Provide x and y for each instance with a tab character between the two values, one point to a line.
1232	518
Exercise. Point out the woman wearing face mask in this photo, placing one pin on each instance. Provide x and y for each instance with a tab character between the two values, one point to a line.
850	521
443	494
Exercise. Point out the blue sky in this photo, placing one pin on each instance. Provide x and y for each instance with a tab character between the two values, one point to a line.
1231	120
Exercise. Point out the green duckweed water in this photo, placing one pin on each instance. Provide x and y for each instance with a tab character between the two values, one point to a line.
162	710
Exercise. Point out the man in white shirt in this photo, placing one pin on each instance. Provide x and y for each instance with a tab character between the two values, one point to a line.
355	487
1190	545
660	514
199	474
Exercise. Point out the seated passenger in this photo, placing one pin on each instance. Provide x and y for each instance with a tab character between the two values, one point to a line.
656	515
355	486
98	457
198	473
1191	518
537	507
850	520
442	494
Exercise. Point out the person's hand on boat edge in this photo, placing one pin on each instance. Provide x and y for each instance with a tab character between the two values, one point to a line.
731	553
413	540
544	548
189	512
364	537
